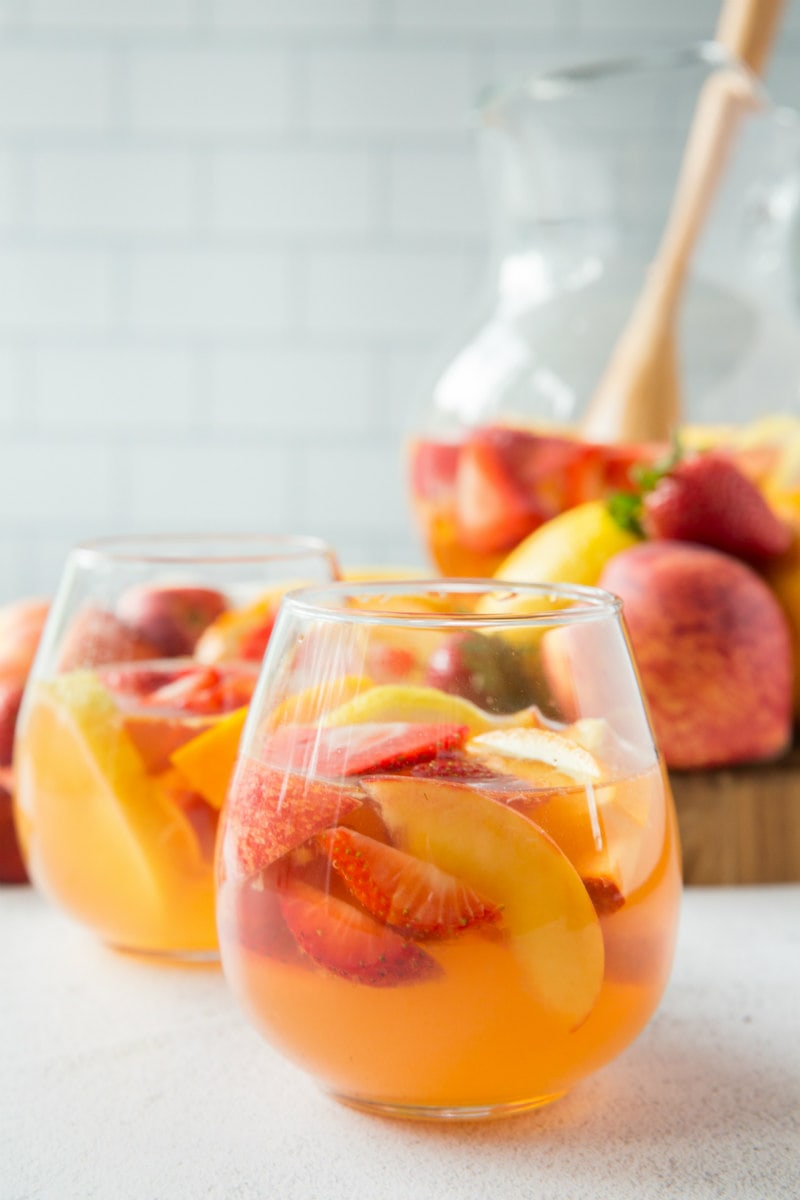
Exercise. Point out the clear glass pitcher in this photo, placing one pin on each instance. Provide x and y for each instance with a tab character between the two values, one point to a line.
581	166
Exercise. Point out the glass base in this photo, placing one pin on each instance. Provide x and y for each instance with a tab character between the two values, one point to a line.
426	1112
177	958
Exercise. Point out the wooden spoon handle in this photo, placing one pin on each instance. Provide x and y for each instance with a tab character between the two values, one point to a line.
639	394
747	29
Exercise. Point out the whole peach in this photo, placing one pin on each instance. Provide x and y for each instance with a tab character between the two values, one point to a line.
713	649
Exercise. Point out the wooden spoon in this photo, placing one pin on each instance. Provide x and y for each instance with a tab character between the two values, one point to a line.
639	395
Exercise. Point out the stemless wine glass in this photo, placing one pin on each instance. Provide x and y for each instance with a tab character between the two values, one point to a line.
130	723
452	893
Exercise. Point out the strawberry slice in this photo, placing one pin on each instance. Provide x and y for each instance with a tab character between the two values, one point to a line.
199	691
493	512
433	468
139	681
603	893
351	943
415	897
460	768
368	746
272	811
708	499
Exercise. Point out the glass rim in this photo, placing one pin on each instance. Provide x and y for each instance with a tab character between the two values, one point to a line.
327	601
217	548
570	79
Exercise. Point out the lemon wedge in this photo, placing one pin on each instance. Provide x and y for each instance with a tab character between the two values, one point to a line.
521	748
407	702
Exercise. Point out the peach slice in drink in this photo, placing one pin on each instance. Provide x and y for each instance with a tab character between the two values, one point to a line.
547	915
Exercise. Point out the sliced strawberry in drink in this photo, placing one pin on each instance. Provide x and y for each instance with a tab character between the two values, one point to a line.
603	893
249	913
359	749
493	511
350	943
272	810
198	690
415	897
139	681
433	467
460	768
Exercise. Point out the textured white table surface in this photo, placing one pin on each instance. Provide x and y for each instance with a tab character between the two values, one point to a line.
122	1079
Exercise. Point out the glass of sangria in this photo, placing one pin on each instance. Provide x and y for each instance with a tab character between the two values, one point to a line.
130	722
448	873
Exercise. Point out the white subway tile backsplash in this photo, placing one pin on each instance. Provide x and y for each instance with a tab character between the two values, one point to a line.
97	387
300	15
8	190
112	15
456	16
8	385
293	191
438	192
389	294
239	237
419	92
54	289
43	481
357	487
208	291
108	190
684	18
291	391
13	583
51	90
207	92
208	486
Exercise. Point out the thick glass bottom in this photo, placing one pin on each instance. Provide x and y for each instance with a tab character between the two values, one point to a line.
178	957
425	1112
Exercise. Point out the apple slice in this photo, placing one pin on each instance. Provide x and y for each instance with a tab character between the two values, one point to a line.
547	913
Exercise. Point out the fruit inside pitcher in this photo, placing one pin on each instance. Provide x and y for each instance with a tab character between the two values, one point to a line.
478	495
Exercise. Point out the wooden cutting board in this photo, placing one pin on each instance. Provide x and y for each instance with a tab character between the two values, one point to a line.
740	825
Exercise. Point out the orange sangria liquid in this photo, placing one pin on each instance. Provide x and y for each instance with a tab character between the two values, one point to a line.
121	773
433	921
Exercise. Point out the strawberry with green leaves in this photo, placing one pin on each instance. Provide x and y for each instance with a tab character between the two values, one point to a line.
706	498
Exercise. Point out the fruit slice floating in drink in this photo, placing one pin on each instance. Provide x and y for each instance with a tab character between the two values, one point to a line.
114	828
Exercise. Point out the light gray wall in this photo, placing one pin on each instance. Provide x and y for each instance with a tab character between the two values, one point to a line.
231	234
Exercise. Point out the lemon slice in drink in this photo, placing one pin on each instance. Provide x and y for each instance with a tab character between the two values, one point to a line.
407	702
97	823
543	756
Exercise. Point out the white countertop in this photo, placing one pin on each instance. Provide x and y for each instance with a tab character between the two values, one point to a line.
122	1079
